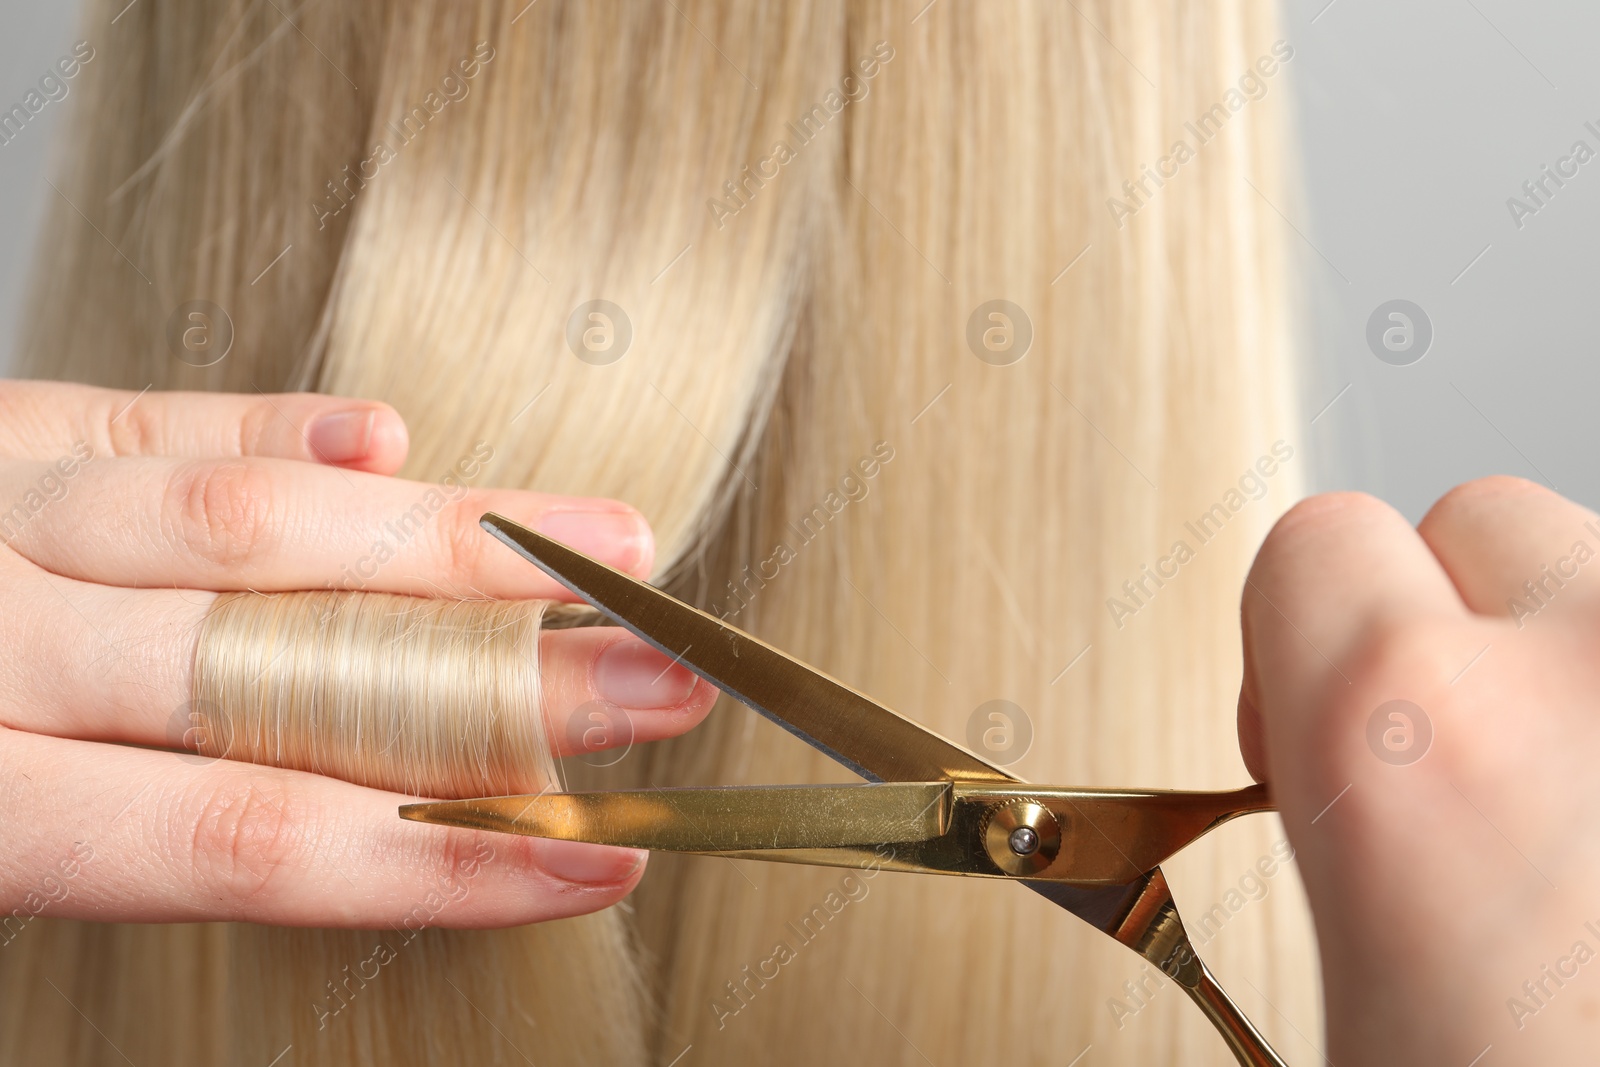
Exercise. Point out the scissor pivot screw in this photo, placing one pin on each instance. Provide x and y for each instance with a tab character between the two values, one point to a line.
1021	837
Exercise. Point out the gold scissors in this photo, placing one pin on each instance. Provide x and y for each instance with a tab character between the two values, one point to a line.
932	807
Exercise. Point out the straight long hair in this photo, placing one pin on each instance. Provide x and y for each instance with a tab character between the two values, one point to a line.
946	349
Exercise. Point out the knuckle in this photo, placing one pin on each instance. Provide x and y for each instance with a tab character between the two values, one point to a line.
253	431
223	512
454	864
460	539
129	430
239	840
1471	496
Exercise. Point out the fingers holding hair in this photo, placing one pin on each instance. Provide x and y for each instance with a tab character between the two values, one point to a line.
126	835
45	420
273	525
107	664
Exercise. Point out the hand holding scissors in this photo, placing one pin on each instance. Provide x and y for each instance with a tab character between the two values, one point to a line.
1423	699
935	808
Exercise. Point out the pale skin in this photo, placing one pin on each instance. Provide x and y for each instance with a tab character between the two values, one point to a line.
104	580
1441	887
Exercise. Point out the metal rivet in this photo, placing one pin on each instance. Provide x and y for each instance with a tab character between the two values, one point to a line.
1024	841
1021	836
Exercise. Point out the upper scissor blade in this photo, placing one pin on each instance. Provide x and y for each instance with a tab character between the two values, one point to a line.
863	735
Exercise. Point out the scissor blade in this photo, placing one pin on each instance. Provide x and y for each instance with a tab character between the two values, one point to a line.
863	735
734	819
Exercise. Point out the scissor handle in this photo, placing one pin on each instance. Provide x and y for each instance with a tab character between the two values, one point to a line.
1143	916
1243	1039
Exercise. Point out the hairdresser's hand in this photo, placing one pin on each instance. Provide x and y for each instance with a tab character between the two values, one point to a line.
120	515
1450	844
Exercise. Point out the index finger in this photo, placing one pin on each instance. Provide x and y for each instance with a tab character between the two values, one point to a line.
272	525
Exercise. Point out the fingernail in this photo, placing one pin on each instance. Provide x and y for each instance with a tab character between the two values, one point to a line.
619	538
575	861
633	675
343	437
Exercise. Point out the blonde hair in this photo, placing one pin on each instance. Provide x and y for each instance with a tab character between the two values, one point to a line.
794	323
450	707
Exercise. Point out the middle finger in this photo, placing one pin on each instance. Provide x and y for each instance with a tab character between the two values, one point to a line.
105	664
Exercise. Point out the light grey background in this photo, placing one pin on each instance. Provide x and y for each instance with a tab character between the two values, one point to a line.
36	35
1416	121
